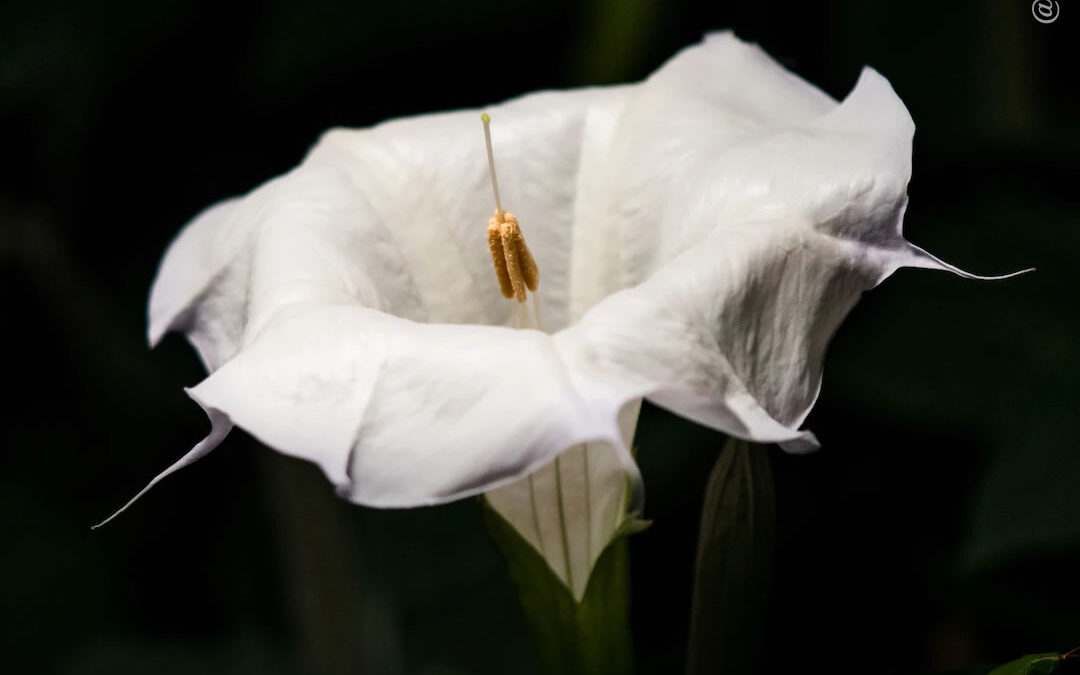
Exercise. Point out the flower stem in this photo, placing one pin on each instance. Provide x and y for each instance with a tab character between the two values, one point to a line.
343	622
573	638
734	564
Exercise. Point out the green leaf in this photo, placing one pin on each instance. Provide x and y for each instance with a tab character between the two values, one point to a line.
734	563
1032	664
573	638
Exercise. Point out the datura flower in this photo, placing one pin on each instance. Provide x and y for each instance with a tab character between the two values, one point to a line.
696	239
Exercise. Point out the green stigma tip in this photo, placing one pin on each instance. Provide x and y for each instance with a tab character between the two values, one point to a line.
486	118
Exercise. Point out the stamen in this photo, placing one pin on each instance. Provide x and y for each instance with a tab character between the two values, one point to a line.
515	267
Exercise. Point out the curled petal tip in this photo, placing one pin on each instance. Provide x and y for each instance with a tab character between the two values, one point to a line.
1013	274
918	257
802	445
154	335
220	427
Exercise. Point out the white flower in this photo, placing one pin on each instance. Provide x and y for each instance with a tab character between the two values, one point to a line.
700	236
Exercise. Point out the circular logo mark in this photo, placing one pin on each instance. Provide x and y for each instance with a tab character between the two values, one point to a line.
1045	11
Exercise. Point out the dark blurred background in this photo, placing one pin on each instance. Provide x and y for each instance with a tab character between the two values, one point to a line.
937	529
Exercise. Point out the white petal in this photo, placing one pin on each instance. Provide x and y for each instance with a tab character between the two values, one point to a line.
730	334
393	220
190	292
399	413
413	197
752	212
400	211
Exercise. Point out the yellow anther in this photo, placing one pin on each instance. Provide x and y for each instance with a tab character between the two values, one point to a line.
515	267
498	257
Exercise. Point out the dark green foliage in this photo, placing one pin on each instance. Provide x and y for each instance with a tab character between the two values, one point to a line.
734	564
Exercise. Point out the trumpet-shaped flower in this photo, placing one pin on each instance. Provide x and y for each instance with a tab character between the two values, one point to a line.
699	237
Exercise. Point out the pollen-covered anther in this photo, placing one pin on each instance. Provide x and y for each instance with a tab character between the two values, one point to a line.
494	235
515	266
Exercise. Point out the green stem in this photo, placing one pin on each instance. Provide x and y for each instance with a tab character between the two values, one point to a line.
586	638
342	622
734	564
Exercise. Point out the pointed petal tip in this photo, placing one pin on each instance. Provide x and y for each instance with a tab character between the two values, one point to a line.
719	35
219	428
154	335
869	74
919	257
998	277
804	444
873	105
